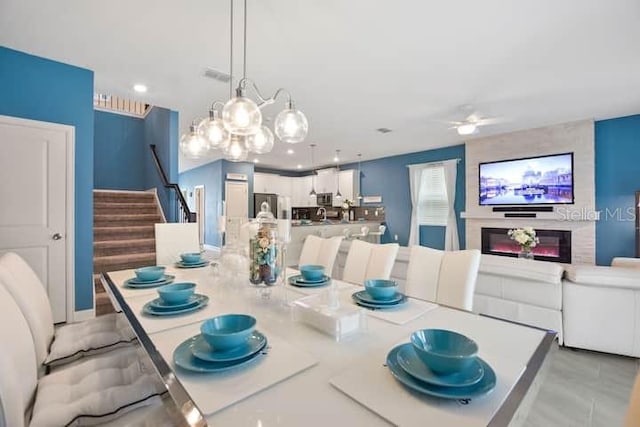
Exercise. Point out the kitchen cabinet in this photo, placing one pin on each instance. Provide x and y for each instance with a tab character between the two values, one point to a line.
300	188
326	181
349	187
271	183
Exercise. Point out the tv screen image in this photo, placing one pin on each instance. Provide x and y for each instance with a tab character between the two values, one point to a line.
534	180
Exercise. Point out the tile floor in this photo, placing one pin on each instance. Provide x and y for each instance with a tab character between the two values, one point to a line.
583	389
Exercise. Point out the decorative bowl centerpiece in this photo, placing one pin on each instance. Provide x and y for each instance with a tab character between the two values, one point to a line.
176	293
228	330
312	272
149	274
443	351
380	288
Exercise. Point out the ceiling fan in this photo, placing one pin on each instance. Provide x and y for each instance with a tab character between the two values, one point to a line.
472	122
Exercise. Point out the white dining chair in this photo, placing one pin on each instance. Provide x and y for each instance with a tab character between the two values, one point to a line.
92	391
369	261
457	281
423	272
320	251
65	343
445	277
173	239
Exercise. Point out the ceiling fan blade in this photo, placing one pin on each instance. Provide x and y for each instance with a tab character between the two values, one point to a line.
489	121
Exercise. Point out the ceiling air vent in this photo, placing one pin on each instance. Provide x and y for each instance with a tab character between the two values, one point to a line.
383	130
218	75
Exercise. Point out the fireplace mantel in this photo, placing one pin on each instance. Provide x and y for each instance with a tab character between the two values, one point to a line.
566	215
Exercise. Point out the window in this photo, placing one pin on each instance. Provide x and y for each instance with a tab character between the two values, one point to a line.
433	207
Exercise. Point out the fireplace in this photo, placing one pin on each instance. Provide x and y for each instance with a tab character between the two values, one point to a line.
555	245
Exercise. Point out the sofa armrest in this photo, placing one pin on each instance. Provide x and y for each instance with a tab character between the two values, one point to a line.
537	271
626	262
613	277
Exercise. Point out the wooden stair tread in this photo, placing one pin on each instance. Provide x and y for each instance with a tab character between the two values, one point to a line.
122	243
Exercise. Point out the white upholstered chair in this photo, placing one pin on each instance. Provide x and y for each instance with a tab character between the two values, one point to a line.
320	251
369	261
58	345
100	388
173	239
446	277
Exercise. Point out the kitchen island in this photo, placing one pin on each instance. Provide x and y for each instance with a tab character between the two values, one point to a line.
300	231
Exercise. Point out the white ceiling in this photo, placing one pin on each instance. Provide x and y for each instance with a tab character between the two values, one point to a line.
354	66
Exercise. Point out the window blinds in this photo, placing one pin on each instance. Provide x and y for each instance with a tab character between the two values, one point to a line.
433	208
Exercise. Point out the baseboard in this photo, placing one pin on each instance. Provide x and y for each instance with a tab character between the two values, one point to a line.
79	316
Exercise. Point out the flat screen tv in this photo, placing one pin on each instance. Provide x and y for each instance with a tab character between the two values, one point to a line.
529	181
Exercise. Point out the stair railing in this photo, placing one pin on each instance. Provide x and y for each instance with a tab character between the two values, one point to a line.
183	213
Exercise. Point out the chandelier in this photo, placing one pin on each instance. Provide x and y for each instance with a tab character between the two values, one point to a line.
235	127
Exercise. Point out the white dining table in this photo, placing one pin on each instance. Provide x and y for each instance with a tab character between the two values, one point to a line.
307	377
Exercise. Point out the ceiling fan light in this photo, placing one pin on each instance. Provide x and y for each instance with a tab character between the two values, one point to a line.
291	126
193	144
261	142
241	116
467	129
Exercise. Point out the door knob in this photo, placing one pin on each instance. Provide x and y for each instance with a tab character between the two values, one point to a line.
57	236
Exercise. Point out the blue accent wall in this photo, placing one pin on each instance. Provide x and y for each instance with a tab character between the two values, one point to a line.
40	89
389	177
120	153
161	129
617	150
209	175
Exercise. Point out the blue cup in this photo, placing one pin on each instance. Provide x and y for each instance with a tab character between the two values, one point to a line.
228	330
444	352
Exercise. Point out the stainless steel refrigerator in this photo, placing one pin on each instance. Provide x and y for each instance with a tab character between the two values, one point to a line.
271	199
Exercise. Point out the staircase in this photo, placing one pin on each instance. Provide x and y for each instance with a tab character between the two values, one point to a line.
123	235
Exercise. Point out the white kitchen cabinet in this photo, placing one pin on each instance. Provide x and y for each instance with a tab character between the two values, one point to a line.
326	181
272	183
348	187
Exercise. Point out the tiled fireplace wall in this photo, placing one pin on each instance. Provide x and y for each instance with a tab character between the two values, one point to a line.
576	137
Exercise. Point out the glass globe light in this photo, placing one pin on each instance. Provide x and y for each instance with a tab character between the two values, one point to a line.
261	142
241	116
213	129
193	144
235	150
291	125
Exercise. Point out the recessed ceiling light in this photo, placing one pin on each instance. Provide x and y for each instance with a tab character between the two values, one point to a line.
467	129
336	159
289	151
140	88
299	166
256	161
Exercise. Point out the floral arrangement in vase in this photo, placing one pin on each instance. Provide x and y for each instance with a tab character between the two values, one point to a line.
345	209
263	256
526	238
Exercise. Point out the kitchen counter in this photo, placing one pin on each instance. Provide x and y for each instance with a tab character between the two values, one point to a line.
332	222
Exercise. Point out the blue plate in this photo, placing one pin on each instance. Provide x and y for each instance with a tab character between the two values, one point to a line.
135	283
184	358
378	305
364	296
160	304
300	282
203	351
148	309
411	363
181	264
482	387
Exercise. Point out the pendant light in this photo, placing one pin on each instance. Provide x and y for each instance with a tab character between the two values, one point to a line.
242	116
312	193
359	196
193	144
338	194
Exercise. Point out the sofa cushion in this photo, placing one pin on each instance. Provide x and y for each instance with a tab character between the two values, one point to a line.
521	290
538	271
616	277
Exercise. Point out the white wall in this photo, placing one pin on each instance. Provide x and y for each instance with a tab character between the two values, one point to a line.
576	137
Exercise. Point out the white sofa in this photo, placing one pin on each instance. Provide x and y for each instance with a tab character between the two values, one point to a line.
601	309
520	290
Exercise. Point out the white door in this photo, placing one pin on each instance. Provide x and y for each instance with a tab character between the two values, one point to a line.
236	208
198	193
36	190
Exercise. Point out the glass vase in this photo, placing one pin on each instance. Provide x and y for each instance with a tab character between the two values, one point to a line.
525	253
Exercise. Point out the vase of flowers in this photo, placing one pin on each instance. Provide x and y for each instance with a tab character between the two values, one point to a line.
346	205
526	238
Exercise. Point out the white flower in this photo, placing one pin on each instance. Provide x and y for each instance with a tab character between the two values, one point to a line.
525	237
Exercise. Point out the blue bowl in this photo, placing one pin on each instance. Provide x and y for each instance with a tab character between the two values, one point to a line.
191	257
149	274
444	352
312	272
228	330
176	293
381	289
